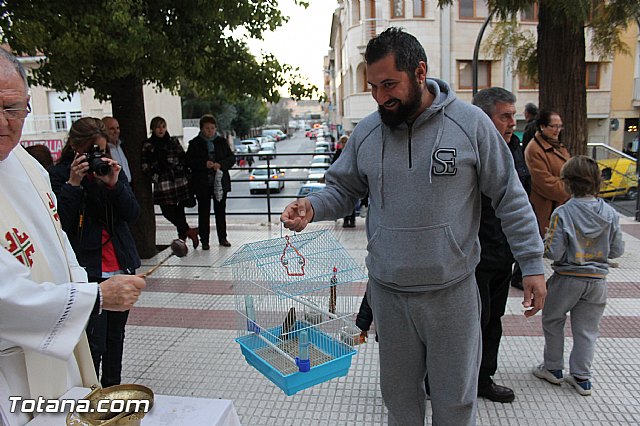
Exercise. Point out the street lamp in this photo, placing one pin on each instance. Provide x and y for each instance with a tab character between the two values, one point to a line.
476	49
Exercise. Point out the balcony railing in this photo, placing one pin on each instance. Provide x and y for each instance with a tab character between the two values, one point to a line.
371	27
51	123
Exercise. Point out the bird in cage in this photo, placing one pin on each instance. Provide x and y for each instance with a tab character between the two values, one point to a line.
288	324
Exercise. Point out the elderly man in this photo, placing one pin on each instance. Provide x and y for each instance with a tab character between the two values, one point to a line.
425	158
45	301
493	273
116	147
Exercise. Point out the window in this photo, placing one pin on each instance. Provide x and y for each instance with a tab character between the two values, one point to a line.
595	9
526	82
593	75
355	12
418	8
465	74
471	9
64	110
530	14
397	9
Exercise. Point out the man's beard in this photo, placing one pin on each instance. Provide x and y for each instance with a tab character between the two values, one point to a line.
405	110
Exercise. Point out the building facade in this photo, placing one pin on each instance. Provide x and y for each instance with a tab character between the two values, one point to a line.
448	36
52	112
625	94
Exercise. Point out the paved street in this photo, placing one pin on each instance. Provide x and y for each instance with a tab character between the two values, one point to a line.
180	342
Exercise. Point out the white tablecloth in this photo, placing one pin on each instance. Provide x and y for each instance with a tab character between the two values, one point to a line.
167	411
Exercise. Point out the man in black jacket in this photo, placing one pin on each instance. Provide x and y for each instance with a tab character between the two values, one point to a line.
210	159
493	273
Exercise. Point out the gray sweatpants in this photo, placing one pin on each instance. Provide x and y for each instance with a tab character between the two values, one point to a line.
586	300
438	331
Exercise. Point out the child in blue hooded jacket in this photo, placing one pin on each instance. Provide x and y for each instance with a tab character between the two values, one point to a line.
583	234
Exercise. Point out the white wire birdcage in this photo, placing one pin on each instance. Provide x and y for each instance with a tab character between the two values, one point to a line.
296	299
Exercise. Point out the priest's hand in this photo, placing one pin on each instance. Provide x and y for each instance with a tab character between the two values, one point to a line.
120	292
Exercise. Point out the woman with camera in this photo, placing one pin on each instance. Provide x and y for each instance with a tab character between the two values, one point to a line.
163	159
96	206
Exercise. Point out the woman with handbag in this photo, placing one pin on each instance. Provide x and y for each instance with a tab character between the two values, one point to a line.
210	159
163	159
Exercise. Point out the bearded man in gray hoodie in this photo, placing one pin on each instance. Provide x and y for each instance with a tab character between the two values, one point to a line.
425	158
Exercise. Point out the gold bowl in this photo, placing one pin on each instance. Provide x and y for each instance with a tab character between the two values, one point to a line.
131	414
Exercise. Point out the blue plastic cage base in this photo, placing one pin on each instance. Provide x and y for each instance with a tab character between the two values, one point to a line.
329	358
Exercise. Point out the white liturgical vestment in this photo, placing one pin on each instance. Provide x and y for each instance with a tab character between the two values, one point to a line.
44	299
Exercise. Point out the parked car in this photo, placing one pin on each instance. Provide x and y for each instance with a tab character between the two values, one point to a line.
316	172
268	151
253	145
277	133
619	178
309	187
321	159
324	144
258	177
619	173
242	156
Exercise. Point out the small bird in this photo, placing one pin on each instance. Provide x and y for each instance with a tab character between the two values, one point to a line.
288	324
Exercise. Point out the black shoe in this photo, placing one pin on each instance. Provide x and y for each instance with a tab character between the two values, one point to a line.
496	393
205	246
225	243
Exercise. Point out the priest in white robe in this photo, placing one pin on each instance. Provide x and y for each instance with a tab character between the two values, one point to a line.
45	301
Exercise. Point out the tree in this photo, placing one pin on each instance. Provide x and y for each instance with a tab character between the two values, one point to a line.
117	46
240	114
558	60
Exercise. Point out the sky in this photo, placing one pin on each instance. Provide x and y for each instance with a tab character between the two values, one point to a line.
304	40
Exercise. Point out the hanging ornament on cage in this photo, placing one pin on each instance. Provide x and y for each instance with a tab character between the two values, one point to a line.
333	296
292	260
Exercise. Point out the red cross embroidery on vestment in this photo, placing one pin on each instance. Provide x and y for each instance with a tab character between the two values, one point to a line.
52	207
20	246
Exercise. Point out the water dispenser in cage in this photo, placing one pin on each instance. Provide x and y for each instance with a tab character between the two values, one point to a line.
296	299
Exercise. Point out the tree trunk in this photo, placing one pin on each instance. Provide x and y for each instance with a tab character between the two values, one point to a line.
562	73
127	101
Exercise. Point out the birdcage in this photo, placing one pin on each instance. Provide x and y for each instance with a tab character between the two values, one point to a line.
296	299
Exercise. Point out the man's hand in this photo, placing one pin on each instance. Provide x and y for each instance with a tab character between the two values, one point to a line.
535	291
297	215
120	292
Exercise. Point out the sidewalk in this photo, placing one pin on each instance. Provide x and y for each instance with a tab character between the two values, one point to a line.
180	342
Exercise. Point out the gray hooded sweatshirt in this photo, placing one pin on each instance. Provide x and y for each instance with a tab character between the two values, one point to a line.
424	182
582	235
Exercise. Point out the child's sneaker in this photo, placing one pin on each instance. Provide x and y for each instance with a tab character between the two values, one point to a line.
551	376
582	386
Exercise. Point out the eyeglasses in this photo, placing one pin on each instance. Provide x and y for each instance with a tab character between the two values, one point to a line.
556	126
16	113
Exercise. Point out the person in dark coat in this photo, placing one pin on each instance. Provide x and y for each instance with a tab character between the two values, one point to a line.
493	273
96	206
349	221
163	159
210	159
530	128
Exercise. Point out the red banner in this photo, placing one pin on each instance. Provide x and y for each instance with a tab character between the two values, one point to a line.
54	145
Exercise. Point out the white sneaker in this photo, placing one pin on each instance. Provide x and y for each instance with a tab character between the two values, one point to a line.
583	387
551	376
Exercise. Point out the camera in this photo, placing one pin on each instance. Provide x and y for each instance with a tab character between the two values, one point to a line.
96	165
